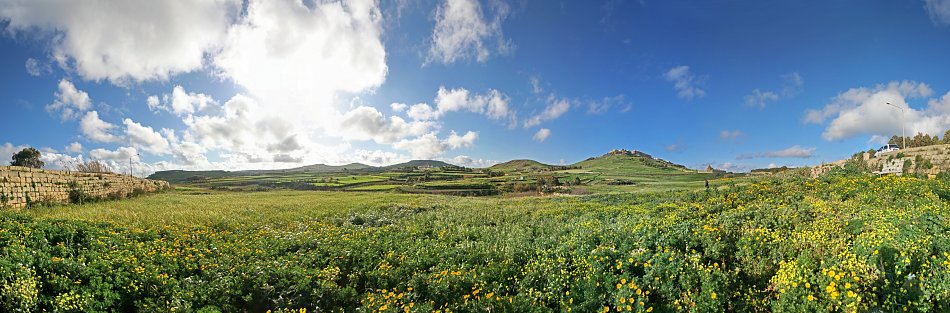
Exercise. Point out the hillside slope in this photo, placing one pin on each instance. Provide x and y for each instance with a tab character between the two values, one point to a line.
521	166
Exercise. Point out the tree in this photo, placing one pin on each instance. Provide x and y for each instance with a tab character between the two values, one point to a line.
28	157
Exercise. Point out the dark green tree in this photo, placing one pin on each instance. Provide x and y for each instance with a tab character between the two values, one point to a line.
28	157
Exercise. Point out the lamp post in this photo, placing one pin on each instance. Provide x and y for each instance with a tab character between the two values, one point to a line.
130	163
903	134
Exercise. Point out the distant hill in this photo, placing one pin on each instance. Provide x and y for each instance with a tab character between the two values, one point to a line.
417	163
315	168
631	163
179	176
522	166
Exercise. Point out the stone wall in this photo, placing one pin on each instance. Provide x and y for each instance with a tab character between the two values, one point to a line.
893	162
23	186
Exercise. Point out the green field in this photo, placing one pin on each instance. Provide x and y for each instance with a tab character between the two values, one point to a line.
839	243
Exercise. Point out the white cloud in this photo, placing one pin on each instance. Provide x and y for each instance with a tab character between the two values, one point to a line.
554	109
455	141
240	128
377	157
74	147
7	150
398	107
795	151
939	11
730	135
492	103
120	154
296	58
422	112
146	138
181	102
121	40
429	146
462	32
70	102
466	161
96	129
760	99
865	111
365	123
685	83
542	134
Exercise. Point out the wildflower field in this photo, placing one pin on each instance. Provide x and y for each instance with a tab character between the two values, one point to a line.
838	243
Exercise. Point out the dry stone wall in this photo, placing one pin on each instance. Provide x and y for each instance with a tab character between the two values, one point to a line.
23	186
929	160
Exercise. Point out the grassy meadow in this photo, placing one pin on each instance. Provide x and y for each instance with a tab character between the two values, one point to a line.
838	243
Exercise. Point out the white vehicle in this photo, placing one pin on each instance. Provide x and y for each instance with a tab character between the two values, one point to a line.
888	148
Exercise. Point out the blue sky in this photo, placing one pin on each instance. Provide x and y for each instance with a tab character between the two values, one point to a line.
228	84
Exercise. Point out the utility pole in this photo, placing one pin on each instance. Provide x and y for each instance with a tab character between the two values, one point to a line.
903	133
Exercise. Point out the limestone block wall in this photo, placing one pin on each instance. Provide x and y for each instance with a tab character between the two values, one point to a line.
22	186
893	162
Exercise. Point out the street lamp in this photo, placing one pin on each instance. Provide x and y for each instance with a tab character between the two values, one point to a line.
903	134
130	163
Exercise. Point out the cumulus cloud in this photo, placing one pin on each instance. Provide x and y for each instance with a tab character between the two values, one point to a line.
139	40
96	129
462	31
492	103
286	158
377	157
296	58
467	161
864	111
7	150
181	102
795	151
70	102
542	134
367	123
120	154
554	109
686	84
398	107
146	138
74	147
455	141
939	11
730	135
429	146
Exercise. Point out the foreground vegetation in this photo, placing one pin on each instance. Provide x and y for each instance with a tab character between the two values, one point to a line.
840	243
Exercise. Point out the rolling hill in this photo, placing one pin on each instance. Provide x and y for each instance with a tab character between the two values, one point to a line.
636	166
417	163
522	166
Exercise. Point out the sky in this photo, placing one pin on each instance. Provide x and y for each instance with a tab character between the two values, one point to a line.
263	84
